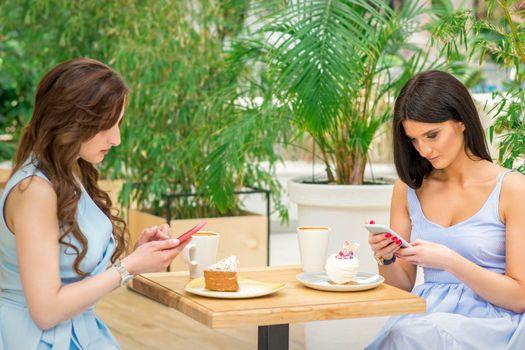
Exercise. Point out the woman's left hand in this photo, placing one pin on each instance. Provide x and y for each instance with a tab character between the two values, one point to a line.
427	254
155	233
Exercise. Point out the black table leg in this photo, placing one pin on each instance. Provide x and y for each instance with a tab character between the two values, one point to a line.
275	337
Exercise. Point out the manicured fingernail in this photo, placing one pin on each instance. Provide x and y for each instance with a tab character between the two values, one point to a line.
394	239
371	222
398	242
387	235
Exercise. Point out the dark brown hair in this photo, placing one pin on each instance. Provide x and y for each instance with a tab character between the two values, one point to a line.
74	101
433	97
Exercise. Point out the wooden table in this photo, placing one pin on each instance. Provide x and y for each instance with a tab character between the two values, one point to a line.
273	314
139	323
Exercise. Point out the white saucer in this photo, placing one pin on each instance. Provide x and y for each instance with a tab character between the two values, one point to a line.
320	281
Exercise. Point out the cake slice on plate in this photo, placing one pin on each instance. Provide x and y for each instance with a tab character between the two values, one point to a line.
222	276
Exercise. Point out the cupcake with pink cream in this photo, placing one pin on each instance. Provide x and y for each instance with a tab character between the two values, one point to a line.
342	267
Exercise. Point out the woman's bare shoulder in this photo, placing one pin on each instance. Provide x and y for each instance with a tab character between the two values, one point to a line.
400	185
512	194
514	182
399	194
33	188
31	199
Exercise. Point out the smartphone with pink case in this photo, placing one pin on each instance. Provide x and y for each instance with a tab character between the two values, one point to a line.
186	235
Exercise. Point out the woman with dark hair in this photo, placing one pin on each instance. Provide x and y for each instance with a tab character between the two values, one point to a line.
60	240
465	218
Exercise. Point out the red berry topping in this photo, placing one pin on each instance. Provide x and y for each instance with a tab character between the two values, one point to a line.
348	250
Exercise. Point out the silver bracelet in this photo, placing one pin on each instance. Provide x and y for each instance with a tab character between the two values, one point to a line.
125	276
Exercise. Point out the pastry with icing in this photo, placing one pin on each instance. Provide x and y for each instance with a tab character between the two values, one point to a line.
342	267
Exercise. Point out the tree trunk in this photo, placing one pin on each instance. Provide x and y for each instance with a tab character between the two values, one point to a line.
358	169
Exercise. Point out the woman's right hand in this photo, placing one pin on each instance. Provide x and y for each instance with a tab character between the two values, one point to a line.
153	256
384	244
154	233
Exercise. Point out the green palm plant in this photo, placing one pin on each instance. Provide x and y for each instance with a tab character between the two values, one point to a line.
329	69
334	63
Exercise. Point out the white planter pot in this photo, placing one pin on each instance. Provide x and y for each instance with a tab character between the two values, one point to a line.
346	209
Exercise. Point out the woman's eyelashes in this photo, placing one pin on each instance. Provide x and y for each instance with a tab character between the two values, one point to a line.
431	136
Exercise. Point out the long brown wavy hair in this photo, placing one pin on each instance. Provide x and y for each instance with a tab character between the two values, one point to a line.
74	101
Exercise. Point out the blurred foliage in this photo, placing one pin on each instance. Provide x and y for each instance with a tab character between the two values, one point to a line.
16	91
217	86
498	39
178	58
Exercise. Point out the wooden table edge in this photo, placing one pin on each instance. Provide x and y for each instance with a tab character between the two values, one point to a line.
256	317
142	285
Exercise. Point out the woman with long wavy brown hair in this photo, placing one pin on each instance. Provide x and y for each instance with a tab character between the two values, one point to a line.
60	240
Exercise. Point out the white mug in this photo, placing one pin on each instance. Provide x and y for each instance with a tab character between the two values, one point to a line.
313	245
201	252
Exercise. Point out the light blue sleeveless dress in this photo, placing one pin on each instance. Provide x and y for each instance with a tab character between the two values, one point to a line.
457	318
84	331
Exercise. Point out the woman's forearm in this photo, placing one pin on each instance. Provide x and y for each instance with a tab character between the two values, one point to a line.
74	298
498	289
396	275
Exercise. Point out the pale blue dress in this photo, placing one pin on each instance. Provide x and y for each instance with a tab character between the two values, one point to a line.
456	317
84	331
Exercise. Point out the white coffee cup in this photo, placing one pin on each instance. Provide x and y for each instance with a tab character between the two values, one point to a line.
201	252
313	246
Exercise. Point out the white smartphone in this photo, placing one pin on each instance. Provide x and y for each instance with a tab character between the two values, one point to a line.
377	229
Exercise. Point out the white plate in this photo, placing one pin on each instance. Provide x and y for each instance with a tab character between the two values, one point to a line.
247	289
320	280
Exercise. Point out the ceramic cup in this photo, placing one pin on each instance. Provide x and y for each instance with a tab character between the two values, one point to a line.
313	245
201	252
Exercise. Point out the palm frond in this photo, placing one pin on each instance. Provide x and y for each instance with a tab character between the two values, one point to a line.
316	51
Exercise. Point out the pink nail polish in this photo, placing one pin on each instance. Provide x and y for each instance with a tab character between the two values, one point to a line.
387	235
398	242
394	239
